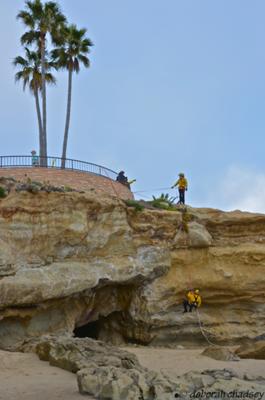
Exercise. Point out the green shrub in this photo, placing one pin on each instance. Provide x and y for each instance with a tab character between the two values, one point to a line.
36	183
2	192
68	188
160	204
164	202
164	198
135	204
32	188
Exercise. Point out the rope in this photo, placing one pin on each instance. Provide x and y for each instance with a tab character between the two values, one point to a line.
202	331
113	187
145	197
198	314
152	190
189	279
180	228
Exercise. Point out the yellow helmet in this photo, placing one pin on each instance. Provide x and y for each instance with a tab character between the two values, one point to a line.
197	291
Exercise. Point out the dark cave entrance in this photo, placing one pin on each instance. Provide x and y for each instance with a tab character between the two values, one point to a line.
91	330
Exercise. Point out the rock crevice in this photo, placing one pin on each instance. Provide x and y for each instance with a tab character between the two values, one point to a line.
69	259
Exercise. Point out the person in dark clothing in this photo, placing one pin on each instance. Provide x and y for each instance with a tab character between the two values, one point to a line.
122	178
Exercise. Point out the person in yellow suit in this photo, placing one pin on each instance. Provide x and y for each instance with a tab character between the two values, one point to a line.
182	184
193	300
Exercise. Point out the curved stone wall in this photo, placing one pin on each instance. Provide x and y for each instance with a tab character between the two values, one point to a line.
74	179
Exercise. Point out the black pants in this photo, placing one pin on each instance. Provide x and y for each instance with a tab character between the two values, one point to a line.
181	196
187	305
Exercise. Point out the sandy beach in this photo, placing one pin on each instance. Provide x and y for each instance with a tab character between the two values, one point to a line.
178	362
25	377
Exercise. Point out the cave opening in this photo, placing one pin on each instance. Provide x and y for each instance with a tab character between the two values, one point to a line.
91	329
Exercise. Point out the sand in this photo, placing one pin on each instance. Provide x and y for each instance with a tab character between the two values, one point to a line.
25	377
178	362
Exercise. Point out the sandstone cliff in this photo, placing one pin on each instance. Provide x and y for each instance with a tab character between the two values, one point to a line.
72	260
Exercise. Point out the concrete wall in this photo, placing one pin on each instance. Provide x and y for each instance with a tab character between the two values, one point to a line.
73	179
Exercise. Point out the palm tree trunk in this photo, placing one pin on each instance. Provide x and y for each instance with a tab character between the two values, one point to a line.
44	111
36	95
68	114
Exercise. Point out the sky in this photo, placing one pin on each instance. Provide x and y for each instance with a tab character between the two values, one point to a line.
174	86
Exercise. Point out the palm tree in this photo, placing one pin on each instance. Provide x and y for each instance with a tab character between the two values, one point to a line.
70	55
30	75
42	19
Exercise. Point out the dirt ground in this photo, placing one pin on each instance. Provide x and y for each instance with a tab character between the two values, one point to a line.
25	377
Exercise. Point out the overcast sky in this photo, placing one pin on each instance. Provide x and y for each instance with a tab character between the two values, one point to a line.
173	86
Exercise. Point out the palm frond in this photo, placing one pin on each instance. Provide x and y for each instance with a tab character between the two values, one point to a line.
53	14
49	78
18	76
50	64
84	60
30	37
25	82
30	73
60	58
36	82
22	76
76	65
52	8
26	18
82	32
87	42
74	50
35	6
19	61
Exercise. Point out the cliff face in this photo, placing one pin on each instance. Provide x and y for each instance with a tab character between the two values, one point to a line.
72	260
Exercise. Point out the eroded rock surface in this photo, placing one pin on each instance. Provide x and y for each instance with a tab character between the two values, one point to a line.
254	350
70	260
220	353
110	373
219	382
104	371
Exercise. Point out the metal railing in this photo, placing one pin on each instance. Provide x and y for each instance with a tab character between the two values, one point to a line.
56	162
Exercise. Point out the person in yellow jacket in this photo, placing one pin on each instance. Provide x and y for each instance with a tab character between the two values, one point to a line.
193	300
182	184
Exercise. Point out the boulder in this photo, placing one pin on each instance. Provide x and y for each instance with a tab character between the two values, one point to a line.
255	350
199	237
74	354
198	384
238	385
105	371
220	353
109	373
113	383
